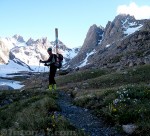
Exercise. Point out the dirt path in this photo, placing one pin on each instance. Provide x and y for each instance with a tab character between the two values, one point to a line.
82	118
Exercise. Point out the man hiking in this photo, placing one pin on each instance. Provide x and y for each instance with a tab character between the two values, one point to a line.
51	62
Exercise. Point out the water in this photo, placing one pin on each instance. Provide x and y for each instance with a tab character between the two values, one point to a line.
12	83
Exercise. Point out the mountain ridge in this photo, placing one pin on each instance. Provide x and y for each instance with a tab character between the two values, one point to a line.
124	42
123	34
32	51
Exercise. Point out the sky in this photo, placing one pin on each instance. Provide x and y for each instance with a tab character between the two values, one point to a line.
73	18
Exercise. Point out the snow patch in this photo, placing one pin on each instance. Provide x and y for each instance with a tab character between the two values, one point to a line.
84	62
13	84
107	45
130	27
132	30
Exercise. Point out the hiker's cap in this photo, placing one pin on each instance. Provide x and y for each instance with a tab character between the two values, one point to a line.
49	49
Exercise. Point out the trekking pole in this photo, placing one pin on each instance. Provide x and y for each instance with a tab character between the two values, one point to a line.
56	36
42	78
44	69
39	67
38	72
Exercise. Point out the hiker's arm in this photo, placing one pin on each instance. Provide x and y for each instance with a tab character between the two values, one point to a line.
46	61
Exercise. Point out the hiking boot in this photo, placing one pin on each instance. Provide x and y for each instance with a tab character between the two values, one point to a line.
54	87
50	87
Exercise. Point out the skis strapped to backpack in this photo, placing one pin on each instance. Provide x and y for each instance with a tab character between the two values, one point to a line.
58	63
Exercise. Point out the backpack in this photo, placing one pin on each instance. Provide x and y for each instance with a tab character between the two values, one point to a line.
59	61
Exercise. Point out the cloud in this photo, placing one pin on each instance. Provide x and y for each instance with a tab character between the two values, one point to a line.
139	12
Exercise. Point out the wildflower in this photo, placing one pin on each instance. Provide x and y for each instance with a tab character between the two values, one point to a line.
49	129
125	92
53	117
115	101
114	109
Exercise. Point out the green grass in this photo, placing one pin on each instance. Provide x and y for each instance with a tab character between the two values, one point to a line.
35	116
20	100
33	111
80	76
103	78
120	97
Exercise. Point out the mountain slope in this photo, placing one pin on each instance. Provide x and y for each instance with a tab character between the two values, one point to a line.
4	53
133	49
123	42
93	38
30	52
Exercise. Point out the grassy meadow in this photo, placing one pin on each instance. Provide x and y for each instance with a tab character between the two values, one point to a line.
120	97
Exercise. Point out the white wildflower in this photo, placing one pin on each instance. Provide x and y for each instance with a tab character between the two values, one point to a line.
115	101
118	92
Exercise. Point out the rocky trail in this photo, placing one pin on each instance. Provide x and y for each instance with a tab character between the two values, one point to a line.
82	118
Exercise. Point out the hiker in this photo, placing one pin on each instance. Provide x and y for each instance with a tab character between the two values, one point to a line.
51	62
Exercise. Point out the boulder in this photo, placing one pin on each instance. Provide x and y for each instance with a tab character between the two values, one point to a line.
129	128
